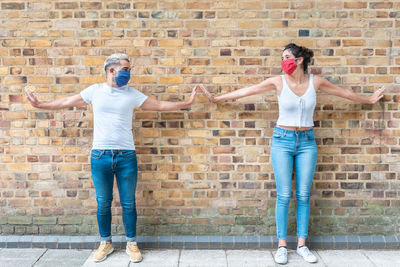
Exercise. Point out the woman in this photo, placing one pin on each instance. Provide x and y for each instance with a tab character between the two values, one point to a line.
293	137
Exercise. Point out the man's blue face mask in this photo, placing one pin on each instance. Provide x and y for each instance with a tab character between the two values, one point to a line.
123	78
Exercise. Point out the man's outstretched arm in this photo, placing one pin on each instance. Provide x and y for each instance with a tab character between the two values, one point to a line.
65	102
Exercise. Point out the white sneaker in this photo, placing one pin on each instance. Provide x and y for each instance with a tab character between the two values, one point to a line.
306	254
281	255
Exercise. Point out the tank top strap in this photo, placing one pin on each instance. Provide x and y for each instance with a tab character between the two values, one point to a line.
284	84
311	81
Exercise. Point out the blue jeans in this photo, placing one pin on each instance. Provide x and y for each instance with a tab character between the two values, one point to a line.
290	147
104	165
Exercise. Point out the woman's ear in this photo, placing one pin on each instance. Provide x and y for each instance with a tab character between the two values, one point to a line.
299	60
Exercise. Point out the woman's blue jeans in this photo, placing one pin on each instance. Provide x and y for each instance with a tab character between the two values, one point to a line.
104	165
288	148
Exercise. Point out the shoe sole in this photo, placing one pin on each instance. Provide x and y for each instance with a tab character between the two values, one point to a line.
133	260
310	261
105	257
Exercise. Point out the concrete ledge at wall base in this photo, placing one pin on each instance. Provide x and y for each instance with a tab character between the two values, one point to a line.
201	242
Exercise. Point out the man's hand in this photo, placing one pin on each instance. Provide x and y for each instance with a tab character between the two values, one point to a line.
192	96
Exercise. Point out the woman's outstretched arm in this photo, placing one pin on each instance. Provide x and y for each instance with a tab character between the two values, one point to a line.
263	87
325	86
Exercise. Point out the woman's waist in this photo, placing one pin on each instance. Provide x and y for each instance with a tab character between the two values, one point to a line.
294	128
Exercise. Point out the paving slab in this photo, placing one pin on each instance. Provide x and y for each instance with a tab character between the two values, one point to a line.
383	258
203	258
20	257
63	257
344	258
118	258
157	258
253	258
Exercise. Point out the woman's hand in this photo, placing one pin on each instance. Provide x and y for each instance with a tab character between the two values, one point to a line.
31	97
208	94
378	94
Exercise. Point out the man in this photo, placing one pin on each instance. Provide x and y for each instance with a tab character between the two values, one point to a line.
113	151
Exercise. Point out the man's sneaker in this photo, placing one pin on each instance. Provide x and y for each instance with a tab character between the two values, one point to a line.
102	252
281	255
306	254
133	251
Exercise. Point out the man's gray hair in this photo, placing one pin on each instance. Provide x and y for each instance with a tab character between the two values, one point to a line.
115	60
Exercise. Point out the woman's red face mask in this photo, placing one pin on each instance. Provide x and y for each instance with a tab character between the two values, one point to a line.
289	65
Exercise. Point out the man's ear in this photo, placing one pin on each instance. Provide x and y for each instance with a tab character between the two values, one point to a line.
111	70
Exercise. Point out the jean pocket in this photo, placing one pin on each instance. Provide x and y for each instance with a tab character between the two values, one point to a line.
128	153
96	154
277	135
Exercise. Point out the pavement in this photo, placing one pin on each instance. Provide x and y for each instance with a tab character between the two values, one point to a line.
21	257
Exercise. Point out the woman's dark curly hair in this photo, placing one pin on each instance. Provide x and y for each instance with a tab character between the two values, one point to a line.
301	51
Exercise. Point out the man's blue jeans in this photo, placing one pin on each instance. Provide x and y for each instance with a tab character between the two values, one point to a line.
104	165
290	147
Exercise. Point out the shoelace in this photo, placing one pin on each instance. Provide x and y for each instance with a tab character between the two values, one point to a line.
133	248
105	247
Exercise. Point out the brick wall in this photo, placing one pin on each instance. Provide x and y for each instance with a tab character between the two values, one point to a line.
205	170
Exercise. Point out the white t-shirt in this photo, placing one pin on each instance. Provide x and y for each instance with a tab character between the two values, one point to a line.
113	112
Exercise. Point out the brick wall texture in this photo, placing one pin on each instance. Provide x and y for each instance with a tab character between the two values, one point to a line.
205	170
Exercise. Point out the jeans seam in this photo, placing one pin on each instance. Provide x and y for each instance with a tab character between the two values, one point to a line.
97	156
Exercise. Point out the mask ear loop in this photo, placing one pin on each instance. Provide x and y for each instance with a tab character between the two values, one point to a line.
295	60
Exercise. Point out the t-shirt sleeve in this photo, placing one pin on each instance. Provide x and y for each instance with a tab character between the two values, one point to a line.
139	97
87	94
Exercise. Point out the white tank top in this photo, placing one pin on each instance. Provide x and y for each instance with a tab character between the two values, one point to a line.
296	110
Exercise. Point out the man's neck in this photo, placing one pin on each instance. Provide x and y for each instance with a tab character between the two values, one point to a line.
109	82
